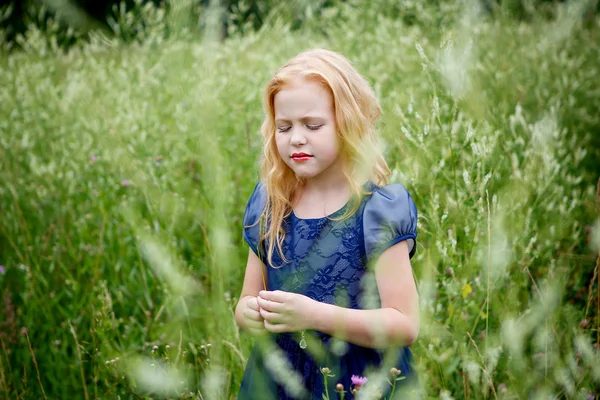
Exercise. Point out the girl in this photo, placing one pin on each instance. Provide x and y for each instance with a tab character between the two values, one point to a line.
322	226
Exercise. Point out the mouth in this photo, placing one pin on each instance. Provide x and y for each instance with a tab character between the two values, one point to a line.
301	157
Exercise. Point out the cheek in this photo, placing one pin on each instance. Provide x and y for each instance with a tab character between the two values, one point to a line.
333	144
280	144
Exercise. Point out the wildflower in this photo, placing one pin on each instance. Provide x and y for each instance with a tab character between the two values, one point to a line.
582	324
325	370
167	347
125	183
93	158
359	380
395	372
2	269
339	387
502	388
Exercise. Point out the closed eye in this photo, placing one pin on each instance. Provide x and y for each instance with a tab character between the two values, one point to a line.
314	127
284	129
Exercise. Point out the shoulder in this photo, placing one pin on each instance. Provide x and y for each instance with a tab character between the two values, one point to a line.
256	204
393	196
254	210
390	216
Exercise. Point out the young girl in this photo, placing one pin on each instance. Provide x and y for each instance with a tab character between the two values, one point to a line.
322	225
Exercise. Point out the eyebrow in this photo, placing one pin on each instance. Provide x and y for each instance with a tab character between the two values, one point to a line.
303	119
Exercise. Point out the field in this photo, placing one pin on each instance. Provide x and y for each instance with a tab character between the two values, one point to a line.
125	168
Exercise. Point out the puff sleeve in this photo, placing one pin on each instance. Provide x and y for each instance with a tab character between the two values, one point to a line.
390	216
254	209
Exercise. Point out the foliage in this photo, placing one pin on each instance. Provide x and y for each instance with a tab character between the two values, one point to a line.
125	166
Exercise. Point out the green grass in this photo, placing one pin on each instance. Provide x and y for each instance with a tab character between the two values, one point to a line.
125	169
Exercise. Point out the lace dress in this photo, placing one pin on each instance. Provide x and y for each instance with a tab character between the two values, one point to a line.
327	261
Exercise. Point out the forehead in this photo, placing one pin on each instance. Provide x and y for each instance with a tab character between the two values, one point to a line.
301	97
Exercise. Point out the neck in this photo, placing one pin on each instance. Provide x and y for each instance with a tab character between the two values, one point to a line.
330	180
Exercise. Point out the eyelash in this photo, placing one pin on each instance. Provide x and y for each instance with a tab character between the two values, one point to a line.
311	127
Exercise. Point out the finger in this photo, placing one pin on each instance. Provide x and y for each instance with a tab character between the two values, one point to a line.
270	305
252	303
250	324
275	328
277	295
252	315
271	317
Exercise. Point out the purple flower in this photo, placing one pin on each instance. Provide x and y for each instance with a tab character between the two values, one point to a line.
94	158
359	380
125	182
2	269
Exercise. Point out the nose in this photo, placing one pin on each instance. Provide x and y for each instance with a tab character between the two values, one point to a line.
297	137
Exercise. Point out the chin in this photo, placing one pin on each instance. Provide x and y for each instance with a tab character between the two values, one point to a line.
303	175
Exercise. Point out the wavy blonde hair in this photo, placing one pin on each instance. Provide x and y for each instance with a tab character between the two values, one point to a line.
355	108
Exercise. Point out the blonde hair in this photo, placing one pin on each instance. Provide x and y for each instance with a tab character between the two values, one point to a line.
355	108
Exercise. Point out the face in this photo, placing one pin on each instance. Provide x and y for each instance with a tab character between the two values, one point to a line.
305	130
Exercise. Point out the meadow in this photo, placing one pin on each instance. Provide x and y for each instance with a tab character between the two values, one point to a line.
125	167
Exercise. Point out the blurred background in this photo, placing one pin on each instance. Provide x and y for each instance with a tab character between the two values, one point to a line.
129	145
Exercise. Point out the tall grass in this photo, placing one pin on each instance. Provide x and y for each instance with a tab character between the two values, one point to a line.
125	168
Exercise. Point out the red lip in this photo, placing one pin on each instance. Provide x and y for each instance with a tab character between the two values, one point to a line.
300	155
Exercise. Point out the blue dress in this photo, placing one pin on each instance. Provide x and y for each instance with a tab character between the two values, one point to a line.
326	262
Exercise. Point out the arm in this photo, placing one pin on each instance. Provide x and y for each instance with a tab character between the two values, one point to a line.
396	323
246	310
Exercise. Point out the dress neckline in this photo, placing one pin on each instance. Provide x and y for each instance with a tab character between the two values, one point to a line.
368	185
332	215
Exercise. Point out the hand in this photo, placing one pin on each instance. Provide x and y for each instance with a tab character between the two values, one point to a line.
253	321
286	311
